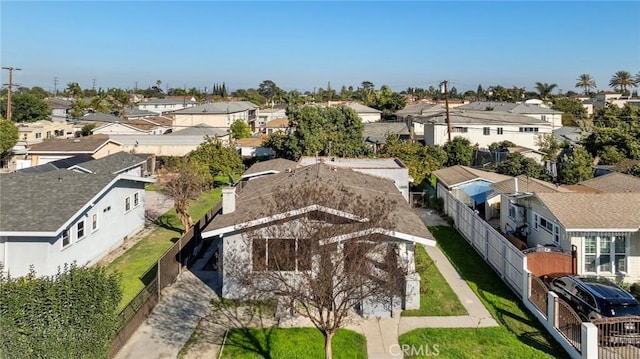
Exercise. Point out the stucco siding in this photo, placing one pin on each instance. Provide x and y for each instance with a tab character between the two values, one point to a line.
475	134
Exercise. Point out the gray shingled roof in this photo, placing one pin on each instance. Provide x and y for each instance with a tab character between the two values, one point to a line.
100	117
219	108
527	184
614	182
250	201
276	164
43	202
418	109
112	164
377	132
612	211
360	108
451	176
200	130
507	107
165	101
461	117
59	164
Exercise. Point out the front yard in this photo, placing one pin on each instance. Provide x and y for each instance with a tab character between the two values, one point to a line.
300	343
436	296
519	335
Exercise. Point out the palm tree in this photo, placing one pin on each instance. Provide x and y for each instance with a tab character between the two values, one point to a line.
621	80
74	90
586	82
545	89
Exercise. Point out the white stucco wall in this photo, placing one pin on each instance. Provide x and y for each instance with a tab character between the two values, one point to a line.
475	134
46	254
369	117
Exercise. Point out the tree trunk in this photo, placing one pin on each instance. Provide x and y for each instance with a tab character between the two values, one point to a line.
182	210
328	354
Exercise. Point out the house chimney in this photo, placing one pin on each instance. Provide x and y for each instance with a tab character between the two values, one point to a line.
515	184
228	200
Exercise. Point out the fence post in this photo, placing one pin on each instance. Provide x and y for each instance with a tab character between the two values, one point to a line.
589	345
158	277
552	309
473	231
180	255
526	281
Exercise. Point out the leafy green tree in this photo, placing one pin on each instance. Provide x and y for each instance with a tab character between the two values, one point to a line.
101	102
27	107
572	110
388	101
321	130
240	129
218	157
501	146
118	99
39	92
516	164
8	136
459	151
78	108
269	90
635	170
610	155
421	160
621	80
548	144
69	315
87	129
545	89
74	90
576	167
586	83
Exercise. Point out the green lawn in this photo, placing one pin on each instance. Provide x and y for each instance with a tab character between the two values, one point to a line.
299	343
137	260
436	296
520	335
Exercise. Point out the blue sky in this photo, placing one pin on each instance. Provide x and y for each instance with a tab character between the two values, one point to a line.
308	44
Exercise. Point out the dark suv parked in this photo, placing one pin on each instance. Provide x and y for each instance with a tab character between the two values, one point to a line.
595	297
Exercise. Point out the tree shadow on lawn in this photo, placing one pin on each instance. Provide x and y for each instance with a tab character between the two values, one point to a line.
473	268
250	328
163	221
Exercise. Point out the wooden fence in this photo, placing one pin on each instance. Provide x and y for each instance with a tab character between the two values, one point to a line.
161	275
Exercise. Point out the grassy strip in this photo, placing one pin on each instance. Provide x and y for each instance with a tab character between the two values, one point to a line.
436	296
300	343
137	260
520	335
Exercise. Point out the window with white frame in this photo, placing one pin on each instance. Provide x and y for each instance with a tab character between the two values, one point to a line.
500	131
486	131
459	129
94	222
127	204
136	199
80	230
66	239
605	254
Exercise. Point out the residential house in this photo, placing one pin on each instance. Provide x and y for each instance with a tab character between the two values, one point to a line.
416	109
390	168
269	114
131	113
157	125
277	125
97	146
614	98
366	113
471	186
177	143
252	147
217	114
69	215
569	134
375	133
244	211
60	109
480	127
598	219
164	105
534	110
36	132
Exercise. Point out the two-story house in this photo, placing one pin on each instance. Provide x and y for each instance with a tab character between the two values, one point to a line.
217	114
164	105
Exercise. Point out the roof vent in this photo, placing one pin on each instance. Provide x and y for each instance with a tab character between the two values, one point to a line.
77	140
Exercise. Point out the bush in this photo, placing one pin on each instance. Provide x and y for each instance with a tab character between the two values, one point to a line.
69	315
635	290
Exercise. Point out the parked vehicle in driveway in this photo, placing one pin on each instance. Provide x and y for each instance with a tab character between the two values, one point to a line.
612	309
595	297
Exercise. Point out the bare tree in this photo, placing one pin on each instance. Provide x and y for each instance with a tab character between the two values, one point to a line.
187	181
331	255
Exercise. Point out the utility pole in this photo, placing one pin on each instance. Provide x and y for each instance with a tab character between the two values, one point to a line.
443	88
55	86
10	84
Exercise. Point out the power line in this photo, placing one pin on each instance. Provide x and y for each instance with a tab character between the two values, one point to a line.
55	85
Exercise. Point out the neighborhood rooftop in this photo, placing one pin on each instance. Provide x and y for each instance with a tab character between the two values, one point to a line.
219	108
507	107
382	163
527	184
458	174
88	144
275	165
614	182
113	164
460	117
607	211
252	202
